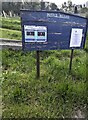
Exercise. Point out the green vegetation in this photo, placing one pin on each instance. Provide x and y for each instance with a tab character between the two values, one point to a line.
10	34
11	28
56	94
10	23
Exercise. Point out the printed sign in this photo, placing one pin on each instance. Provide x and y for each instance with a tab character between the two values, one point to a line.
52	30
76	37
35	33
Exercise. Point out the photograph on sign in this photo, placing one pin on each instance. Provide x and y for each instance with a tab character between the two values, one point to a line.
76	37
35	33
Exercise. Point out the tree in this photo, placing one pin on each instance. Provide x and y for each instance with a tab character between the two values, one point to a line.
68	7
65	4
14	7
53	6
75	10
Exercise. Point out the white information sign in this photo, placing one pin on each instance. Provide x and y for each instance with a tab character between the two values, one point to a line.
35	33
76	37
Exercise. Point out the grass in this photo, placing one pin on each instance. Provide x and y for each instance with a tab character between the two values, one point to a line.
56	94
10	34
10	23
10	28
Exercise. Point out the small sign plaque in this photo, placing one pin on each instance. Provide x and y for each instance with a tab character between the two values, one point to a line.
35	33
76	37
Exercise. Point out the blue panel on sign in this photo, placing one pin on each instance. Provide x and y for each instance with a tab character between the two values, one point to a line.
51	30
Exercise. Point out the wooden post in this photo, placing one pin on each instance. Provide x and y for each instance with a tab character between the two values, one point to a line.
38	63
70	66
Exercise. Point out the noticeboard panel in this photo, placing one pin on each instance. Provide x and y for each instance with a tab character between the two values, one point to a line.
52	30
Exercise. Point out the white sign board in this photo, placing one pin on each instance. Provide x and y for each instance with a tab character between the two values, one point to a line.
76	37
35	33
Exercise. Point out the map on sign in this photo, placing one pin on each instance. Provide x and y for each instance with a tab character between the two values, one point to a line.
52	30
76	37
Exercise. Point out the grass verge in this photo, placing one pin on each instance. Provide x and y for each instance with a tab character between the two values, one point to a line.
55	95
10	23
10	34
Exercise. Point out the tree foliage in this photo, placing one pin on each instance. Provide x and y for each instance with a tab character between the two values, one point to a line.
14	7
73	8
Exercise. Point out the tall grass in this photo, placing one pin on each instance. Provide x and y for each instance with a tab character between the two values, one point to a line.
56	94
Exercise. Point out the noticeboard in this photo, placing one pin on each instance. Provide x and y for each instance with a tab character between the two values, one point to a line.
52	30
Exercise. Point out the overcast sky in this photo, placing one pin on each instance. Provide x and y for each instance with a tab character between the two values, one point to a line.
59	2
